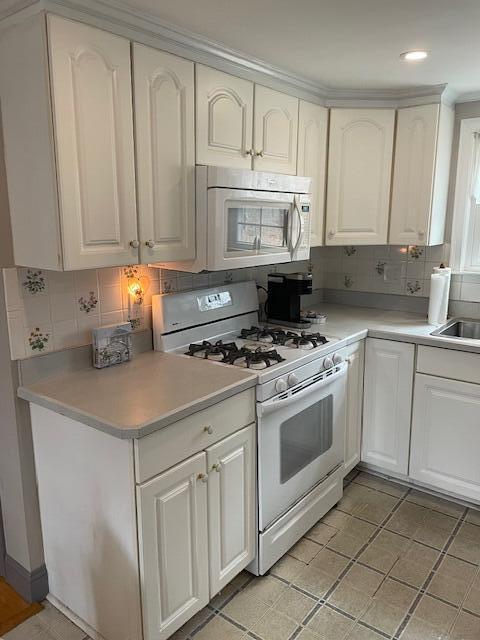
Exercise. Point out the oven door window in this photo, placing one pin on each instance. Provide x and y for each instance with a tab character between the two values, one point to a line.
256	228
304	437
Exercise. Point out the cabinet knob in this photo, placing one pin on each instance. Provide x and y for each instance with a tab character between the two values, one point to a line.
331	233
259	154
134	244
217	467
249	152
150	244
421	234
202	477
208	429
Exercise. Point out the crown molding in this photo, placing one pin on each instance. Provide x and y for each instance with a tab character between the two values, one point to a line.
143	27
474	96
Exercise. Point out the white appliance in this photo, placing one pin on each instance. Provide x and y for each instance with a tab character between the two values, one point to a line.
248	218
300	403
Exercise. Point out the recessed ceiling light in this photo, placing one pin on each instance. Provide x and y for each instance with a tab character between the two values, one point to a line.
413	56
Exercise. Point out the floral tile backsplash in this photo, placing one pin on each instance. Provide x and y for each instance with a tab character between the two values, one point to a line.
401	270
50	311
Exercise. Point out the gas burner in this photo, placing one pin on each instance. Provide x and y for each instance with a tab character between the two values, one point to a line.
306	340
217	351
264	334
254	359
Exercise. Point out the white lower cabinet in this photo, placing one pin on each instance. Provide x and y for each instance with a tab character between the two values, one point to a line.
231	506
355	356
196	531
389	367
446	435
173	532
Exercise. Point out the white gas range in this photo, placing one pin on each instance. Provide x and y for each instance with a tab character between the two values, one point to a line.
300	402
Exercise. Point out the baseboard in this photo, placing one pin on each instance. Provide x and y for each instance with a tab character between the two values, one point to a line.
32	586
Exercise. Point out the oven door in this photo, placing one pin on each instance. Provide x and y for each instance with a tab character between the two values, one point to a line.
301	437
250	228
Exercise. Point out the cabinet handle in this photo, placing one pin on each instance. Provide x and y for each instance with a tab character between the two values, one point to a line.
331	233
259	154
134	244
208	429
202	477
217	467
249	152
150	244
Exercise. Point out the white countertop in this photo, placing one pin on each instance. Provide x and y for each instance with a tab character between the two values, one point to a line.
156	389
350	324
134	399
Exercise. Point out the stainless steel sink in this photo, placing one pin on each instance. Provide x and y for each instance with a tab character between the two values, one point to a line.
459	328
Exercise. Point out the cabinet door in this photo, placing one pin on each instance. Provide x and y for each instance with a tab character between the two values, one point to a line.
387	404
173	539
275	131
359	173
231	503
446	435
165	153
92	103
224	106
353	435
413	174
312	159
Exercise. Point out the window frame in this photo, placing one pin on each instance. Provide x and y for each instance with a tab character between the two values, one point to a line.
459	250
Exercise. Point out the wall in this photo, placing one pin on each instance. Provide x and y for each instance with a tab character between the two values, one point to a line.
18	495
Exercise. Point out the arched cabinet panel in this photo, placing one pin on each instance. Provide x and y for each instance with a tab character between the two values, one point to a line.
360	163
165	153
224	119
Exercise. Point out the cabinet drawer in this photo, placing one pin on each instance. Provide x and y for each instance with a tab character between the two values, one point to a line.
178	441
447	363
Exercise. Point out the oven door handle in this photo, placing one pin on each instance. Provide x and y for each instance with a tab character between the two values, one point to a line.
264	408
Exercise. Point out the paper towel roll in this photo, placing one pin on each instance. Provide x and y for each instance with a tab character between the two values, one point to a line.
446	272
437	287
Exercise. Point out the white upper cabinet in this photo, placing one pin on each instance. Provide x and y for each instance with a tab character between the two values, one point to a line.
164	90
70	160
420	176
93	122
312	161
224	106
275	131
359	174
387	404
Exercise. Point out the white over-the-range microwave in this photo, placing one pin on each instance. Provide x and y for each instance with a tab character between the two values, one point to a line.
248	218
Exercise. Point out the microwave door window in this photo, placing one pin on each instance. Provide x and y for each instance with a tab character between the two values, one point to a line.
243	230
274	230
253	229
305	437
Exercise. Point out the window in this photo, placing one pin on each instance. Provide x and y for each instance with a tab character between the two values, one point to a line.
465	249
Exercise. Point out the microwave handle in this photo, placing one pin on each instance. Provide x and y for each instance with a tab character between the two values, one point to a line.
264	408
299	217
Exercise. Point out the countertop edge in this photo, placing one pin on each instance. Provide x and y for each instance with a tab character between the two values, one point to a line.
141	430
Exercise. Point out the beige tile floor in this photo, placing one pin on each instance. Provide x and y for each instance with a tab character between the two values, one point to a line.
388	562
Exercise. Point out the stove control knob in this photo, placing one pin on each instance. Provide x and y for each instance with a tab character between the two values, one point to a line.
292	380
328	362
281	385
337	358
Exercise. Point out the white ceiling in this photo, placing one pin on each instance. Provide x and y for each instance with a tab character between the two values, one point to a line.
342	44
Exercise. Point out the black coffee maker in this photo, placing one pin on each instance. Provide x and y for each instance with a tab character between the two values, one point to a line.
284	293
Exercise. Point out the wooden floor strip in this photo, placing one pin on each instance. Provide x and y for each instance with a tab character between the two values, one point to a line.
13	609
